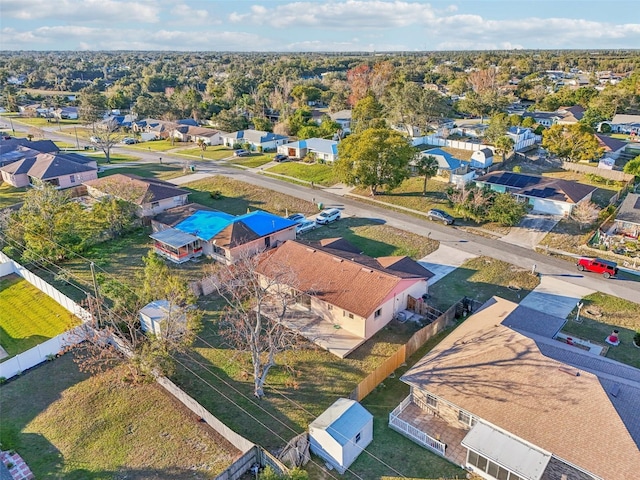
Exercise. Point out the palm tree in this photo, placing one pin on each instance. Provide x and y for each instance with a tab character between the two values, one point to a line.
504	145
427	166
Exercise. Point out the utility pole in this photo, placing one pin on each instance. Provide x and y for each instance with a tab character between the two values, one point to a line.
77	141
95	292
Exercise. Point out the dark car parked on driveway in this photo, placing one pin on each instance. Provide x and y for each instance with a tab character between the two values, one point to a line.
440	216
281	158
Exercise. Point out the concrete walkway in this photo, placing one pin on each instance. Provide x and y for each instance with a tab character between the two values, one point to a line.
443	261
192	177
555	296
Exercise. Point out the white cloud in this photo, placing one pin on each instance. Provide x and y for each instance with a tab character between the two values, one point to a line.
182	12
348	14
145	11
89	38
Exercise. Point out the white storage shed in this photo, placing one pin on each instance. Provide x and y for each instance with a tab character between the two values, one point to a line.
341	433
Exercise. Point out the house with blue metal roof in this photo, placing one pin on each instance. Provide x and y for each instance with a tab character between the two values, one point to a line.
224	237
341	433
323	150
257	139
450	168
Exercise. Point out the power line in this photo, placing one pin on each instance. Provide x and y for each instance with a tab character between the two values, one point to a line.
202	365
301	407
252	416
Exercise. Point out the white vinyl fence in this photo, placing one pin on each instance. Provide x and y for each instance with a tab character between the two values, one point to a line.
53	346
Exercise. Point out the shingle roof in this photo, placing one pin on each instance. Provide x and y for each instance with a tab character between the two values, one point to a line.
503	377
146	190
343	420
610	144
316	145
255	136
622	119
45	166
39	146
539	187
349	281
630	209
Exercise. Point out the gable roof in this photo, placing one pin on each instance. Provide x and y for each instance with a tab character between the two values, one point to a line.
41	146
630	209
622	119
538	187
254	136
573	113
45	166
354	282
445	159
341	115
320	145
503	376
229	231
146	190
610	144
343	420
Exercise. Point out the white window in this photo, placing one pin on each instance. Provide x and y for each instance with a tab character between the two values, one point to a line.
72	178
466	418
357	438
432	401
378	313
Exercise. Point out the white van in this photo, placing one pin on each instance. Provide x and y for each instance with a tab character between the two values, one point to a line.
327	216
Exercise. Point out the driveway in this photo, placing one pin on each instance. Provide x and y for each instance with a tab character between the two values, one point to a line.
443	261
555	297
531	230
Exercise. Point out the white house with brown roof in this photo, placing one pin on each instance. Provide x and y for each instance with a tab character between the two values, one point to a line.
151	195
346	289
189	133
500	397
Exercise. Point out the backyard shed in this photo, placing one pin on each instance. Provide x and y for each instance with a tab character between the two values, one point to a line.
153	315
341	433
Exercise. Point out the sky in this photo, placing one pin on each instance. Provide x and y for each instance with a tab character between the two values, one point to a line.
318	25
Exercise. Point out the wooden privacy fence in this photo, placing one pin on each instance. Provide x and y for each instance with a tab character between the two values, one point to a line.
615	175
375	378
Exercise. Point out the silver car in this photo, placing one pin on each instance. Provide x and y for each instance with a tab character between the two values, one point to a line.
305	226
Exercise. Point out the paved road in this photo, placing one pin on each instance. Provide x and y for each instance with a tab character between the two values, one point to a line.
627	288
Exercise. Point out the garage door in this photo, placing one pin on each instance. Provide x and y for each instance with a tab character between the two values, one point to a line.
549	206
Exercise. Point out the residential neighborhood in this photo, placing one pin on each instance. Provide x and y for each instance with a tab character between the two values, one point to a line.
240	265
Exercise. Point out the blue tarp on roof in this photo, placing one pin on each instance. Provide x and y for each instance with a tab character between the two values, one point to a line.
345	427
205	224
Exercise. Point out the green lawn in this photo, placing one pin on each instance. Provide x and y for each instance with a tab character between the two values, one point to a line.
600	315
10	195
252	161
376	239
29	317
154	170
238	197
481	278
46	122
211	153
119	158
318	173
409	195
79	427
308	375
65	145
156	145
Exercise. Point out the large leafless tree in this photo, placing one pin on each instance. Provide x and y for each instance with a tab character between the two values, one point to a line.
258	294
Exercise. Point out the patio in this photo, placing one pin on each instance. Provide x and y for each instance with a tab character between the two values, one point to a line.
437	431
321	332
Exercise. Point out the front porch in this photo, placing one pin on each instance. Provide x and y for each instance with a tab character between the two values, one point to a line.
426	429
176	246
